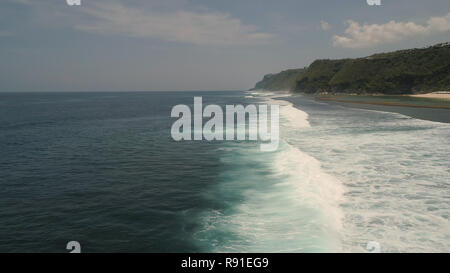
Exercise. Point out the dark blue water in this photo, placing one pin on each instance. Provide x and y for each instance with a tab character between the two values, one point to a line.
101	169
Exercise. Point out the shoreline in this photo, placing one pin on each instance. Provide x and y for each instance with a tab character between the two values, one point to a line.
430	100
434	95
435	114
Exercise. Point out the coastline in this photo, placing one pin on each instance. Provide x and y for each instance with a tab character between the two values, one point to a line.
435	114
434	95
430	100
432	109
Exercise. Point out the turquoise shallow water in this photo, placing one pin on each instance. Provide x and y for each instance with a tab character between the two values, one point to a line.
102	169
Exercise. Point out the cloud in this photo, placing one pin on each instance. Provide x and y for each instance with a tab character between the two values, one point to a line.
361	36
199	28
324	25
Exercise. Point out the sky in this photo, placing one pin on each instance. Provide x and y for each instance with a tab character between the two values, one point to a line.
171	45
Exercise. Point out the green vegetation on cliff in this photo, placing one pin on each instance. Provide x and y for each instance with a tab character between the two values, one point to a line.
399	72
285	80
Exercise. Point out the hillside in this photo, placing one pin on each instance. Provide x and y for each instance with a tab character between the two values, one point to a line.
400	72
285	80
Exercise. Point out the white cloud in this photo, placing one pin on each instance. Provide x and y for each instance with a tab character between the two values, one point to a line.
200	28
360	36
324	25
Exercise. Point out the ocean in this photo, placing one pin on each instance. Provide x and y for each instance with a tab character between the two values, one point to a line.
102	169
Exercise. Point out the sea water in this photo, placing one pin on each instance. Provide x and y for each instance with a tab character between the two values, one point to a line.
102	169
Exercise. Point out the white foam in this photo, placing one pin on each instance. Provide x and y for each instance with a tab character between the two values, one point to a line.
355	176
314	188
395	174
288	203
293	116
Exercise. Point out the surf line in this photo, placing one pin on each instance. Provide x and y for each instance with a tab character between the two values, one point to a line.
213	128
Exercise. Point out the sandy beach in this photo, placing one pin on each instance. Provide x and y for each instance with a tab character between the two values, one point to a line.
430	100
445	96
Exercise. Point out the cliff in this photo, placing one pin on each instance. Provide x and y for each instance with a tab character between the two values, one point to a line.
400	72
